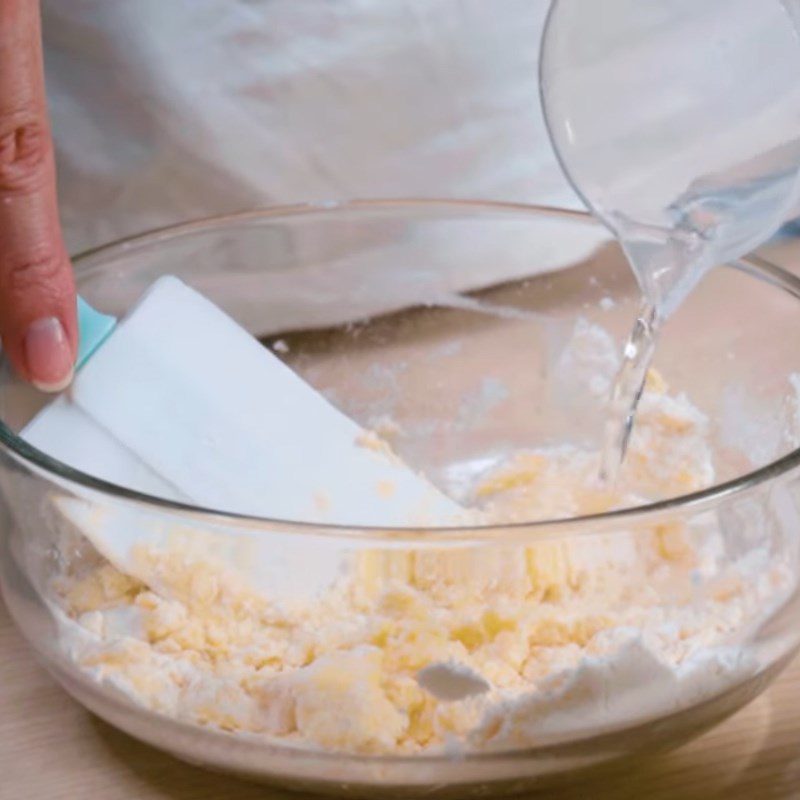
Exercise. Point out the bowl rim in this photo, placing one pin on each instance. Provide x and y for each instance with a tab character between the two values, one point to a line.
60	473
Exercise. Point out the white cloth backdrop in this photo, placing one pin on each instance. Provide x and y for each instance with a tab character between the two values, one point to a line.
164	110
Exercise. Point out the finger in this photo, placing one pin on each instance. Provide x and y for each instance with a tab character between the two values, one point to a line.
38	323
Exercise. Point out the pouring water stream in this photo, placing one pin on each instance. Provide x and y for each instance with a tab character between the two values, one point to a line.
680	196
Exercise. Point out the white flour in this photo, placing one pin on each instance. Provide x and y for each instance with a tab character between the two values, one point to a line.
491	647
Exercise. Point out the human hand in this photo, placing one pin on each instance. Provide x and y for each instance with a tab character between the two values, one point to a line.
38	323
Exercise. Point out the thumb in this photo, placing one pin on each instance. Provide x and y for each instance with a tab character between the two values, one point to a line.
38	324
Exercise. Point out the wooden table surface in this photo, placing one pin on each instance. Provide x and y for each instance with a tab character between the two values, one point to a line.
51	749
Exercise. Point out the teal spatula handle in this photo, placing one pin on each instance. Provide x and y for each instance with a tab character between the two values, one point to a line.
93	329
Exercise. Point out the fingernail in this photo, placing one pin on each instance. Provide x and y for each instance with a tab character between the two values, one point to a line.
48	355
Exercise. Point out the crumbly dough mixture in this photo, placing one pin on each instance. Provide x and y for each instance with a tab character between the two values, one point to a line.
502	646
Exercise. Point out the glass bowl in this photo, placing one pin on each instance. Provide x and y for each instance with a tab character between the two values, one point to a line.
479	339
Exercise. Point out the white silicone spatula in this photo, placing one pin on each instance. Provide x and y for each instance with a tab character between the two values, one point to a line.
181	402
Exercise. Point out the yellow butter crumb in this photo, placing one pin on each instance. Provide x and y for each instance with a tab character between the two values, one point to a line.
340	672
386	488
524	471
101	589
655	383
370	440
673	543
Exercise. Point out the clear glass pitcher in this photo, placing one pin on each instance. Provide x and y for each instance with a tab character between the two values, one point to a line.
678	116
